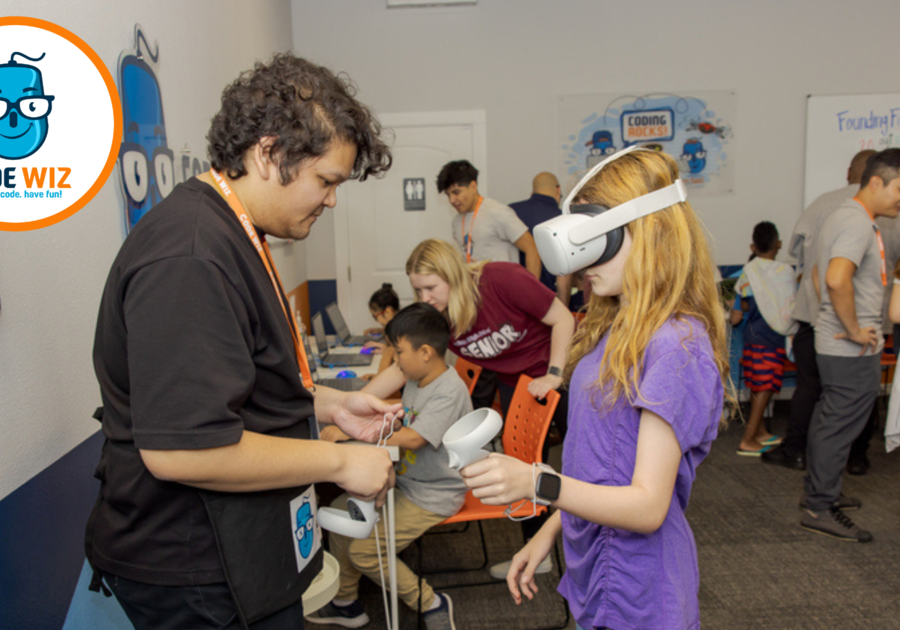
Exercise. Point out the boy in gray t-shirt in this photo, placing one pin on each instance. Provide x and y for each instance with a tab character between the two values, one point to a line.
434	398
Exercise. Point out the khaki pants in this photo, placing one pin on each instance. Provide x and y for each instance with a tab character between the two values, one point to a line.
359	557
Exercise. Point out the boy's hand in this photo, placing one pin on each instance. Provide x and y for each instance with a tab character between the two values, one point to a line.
331	433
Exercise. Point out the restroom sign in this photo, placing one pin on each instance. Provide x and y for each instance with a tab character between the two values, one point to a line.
414	193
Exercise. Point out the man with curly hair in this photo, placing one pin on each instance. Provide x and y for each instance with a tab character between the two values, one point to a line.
206	511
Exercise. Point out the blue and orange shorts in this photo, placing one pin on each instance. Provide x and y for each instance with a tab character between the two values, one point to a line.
763	368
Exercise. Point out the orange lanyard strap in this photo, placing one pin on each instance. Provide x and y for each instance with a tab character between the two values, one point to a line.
467	242
880	243
262	248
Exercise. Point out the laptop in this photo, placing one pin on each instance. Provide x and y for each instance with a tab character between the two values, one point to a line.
343	384
333	359
341	328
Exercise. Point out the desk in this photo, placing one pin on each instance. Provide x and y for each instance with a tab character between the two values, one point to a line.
327	372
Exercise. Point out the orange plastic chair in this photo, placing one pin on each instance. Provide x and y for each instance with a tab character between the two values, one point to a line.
524	432
468	372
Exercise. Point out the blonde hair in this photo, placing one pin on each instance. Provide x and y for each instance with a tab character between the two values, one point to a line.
440	258
668	274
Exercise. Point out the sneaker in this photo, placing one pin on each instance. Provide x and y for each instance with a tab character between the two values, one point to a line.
350	616
858	466
843	503
440	618
833	523
499	571
780	457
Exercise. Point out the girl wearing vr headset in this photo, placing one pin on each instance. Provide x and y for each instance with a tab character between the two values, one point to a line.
645	371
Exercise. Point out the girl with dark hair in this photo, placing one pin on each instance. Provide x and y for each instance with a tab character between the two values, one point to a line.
383	305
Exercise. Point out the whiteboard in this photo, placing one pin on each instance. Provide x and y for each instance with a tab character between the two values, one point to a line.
837	128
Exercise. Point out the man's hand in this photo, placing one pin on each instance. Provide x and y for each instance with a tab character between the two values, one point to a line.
366	472
863	336
499	479
362	417
540	386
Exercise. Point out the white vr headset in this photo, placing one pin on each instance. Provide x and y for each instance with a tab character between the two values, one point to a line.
586	235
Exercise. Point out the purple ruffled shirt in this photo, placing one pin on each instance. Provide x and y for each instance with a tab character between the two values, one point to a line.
614	577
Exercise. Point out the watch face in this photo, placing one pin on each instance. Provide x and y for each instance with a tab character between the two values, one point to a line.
548	486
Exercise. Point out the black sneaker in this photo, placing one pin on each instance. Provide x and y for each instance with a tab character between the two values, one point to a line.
441	618
858	466
349	616
843	503
833	523
780	457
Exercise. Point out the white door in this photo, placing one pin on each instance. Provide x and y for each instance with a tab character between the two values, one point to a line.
374	233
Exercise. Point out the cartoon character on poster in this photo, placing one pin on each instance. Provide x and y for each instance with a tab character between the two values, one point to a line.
142	157
24	108
601	145
693	156
686	127
147	166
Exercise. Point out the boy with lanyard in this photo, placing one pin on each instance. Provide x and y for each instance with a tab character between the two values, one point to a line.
434	398
207	468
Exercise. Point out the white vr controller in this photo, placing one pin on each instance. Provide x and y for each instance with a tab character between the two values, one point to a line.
466	439
356	521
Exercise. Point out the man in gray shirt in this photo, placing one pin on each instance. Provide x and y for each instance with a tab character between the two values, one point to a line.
791	453
851	274
485	229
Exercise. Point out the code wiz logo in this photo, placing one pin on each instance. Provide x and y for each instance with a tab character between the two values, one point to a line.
24	124
60	122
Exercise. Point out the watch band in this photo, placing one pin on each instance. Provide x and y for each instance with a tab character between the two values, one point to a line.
554	371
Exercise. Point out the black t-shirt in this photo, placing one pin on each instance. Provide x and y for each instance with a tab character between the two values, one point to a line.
192	347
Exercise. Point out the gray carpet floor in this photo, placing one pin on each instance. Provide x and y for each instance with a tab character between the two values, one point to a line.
758	569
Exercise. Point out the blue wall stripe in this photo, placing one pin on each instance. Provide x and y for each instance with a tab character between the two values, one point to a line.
321	294
41	539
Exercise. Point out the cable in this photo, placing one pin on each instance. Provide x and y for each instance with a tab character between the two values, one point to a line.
382	443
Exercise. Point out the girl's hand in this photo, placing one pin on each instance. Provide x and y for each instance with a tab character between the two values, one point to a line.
520	578
499	479
368	377
372	331
377	346
540	386
361	416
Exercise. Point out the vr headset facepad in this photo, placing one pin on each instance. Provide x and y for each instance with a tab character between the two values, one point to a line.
587	235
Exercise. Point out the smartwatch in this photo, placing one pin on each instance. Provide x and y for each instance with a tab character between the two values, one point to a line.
546	488
554	371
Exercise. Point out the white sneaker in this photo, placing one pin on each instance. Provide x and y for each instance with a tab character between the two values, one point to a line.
499	571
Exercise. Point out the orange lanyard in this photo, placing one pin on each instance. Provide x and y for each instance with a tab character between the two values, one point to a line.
467	240
262	248
880	243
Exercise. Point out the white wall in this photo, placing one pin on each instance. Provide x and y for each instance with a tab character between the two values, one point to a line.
51	279
514	58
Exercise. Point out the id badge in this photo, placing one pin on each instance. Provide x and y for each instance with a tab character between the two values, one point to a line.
307	534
